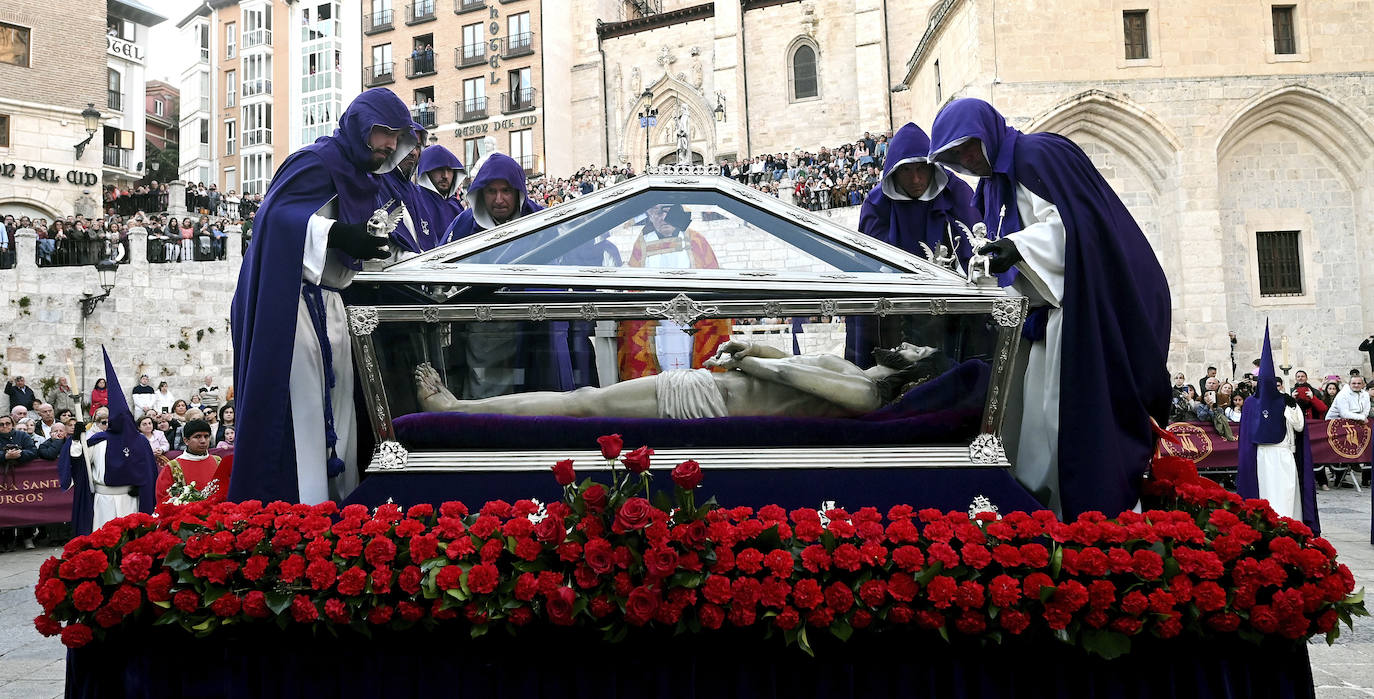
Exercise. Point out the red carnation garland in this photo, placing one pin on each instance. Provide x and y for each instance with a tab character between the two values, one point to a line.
619	557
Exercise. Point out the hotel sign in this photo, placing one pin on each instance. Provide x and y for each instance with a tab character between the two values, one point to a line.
120	48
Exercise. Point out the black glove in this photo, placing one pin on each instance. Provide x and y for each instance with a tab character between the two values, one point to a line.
353	239
1002	254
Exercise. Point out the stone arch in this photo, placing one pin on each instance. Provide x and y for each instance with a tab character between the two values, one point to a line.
1342	134
1129	130
668	92
41	207
789	62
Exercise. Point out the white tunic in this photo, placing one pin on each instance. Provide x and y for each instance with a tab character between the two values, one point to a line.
108	502
323	267
1041	243
1277	469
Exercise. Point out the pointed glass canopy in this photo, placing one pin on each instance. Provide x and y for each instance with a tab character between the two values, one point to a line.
679	232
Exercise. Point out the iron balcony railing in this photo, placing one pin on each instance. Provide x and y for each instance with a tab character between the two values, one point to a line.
378	74
472	109
378	21
425	116
469	55
517	100
421	66
419	11
461	6
519	45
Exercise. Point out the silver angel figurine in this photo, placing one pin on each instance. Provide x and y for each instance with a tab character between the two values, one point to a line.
384	221
977	240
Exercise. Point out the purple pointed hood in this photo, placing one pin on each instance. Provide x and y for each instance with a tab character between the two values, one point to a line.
128	455
1271	425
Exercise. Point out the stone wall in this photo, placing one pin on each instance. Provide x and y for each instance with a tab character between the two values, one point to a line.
170	321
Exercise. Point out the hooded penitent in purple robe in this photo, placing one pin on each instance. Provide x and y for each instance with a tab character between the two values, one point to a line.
400	188
895	217
1262	422
265	306
476	218
437	210
1115	302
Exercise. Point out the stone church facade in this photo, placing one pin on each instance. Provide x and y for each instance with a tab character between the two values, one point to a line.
730	68
1224	127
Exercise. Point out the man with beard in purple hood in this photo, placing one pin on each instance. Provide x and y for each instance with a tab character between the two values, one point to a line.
497	195
293	364
917	207
400	188
1100	307
438	201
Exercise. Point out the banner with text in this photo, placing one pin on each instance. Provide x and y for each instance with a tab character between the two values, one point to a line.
1333	442
30	495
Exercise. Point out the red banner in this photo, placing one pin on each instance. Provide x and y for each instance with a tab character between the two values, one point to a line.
1333	442
30	494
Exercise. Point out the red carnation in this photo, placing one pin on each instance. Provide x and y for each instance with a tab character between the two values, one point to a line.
1035	555
321	574
1147	564
380	551
255	605
292	568
846	557
634	514
126	599
87	596
47	625
941	591
380	614
448	577
483	578
807	593
227	605
87	564
159	587
873	593
336	611
976	556
303	610
711	616
787	619
815	559
50	593
839	597
717	589
687	475
136	566
563	472
560	606
186	600
902	587
1013	621
637	461
76	635
611	444
1004	591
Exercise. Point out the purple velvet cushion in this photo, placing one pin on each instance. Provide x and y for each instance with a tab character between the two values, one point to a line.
944	410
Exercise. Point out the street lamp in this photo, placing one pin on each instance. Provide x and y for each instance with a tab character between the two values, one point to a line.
720	107
92	117
105	271
647	118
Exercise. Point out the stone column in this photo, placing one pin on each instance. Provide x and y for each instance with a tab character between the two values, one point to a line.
138	245
26	250
176	198
785	189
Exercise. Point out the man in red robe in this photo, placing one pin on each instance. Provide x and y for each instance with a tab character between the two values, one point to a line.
196	467
649	347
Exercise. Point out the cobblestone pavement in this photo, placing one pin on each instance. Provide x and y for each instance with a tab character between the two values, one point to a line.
33	667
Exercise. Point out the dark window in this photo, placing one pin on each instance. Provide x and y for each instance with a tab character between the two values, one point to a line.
4	131
1284	40
1137	43
804	72
14	45
204	130
1280	272
114	97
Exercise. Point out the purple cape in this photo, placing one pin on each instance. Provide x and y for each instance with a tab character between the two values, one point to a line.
907	224
71	473
129	456
263	315
1115	305
437	210
475	218
1247	473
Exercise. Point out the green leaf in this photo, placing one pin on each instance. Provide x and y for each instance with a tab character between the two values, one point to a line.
164	605
278	602
176	560
1333	634
479	630
212	593
662	501
841	629
768	539
929	573
944	633
167	619
803	643
1056	561
1108	644
204	625
1356	598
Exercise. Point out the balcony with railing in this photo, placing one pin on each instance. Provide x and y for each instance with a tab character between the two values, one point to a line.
257	137
114	100
469	55
260	86
526	162
472	109
378	21
257	37
425	116
114	156
378	74
519	45
517	100
462	6
420	65
420	11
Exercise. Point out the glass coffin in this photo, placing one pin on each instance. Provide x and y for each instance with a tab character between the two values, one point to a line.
689	313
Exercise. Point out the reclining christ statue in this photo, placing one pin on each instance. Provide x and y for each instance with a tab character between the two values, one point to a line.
758	380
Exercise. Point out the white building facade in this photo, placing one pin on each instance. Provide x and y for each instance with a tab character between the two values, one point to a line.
125	121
